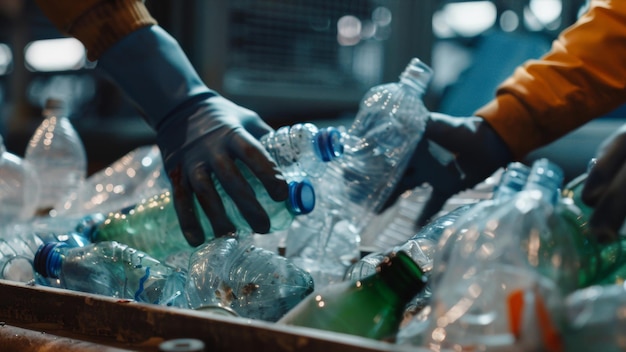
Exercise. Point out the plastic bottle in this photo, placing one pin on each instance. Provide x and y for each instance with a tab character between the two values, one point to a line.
423	245
377	146
595	320
256	283
443	238
611	268
420	247
389	124
58	156
152	225
112	269
18	248
135	176
530	244
18	187
303	149
372	307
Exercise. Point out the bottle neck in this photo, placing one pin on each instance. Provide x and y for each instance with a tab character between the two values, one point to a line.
417	75
402	275
48	259
513	180
329	144
547	178
301	199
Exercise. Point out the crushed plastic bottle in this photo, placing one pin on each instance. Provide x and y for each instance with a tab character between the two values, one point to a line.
389	124
136	176
256	283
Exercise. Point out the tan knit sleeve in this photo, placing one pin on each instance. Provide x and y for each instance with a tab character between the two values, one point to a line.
98	24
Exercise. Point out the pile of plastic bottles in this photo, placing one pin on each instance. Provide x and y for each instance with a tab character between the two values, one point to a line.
508	266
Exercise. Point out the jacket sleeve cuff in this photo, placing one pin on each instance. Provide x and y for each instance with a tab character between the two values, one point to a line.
511	120
107	23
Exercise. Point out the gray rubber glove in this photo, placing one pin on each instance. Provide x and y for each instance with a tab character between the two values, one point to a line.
199	133
477	152
605	187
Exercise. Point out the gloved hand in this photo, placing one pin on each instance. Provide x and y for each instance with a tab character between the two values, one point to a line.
605	187
199	133
476	153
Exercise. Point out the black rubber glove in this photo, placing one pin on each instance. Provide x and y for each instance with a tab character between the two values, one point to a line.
605	187
199	133
472	151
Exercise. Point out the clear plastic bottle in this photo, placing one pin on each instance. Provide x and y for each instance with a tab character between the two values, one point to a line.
420	247
377	146
372	307
512	181
594	319
152	225
135	176
18	247
19	188
256	283
303	149
423	245
528	245
58	156
112	269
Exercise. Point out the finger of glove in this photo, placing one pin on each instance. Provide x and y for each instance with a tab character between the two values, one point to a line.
211	203
439	128
257	127
242	194
433	206
610	210
611	157
257	159
185	208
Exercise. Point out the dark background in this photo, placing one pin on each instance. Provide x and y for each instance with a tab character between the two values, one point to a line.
283	59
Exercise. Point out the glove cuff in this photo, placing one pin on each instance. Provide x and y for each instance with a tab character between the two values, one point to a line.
153	71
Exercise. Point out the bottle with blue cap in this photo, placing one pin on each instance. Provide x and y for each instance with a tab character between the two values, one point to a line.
112	269
303	149
389	124
18	248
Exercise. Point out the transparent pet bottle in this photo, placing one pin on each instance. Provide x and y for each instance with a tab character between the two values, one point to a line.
254	282
18	188
58	156
303	149
112	269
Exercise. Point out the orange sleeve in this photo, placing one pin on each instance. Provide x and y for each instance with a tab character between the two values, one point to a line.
98	24
582	77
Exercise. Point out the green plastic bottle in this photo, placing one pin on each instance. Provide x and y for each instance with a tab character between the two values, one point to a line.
607	259
372	307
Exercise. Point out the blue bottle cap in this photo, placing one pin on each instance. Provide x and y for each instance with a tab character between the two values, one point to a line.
301	197
329	143
47	261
